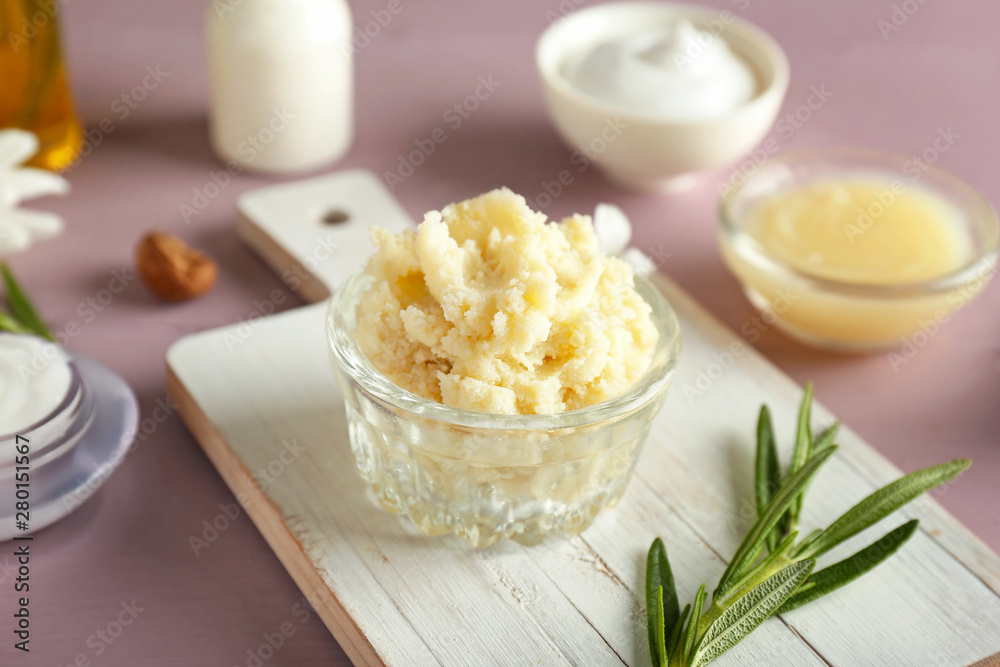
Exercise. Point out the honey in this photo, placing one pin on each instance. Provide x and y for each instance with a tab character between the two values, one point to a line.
857	262
862	231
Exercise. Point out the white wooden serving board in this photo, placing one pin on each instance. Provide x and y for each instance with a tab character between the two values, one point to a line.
391	596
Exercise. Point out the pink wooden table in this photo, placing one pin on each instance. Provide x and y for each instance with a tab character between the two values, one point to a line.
126	555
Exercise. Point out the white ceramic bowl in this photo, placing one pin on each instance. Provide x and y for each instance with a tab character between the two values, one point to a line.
646	152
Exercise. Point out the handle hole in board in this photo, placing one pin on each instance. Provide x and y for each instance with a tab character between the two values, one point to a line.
335	216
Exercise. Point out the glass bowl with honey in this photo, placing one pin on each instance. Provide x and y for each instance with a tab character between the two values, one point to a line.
856	250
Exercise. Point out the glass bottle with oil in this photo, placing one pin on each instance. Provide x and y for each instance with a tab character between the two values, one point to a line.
34	90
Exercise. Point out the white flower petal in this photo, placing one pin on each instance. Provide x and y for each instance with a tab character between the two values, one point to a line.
13	239
16	146
612	227
639	261
21	184
40	224
20	228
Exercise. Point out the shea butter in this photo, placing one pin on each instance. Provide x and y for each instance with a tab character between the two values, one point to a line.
488	307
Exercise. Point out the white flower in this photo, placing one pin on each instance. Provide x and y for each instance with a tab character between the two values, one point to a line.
612	227
614	231
20	228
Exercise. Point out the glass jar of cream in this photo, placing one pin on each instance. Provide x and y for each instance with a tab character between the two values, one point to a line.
65	424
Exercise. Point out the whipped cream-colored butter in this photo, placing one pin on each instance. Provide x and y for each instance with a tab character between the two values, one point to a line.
678	73
487	307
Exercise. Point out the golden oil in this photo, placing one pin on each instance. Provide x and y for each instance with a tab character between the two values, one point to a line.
34	89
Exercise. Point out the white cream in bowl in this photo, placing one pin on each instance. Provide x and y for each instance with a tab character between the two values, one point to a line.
34	379
676	71
655	92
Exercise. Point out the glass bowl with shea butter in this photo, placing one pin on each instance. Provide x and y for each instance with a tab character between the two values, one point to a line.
487	477
854	250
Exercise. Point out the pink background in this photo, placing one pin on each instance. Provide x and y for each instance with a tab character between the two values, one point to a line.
130	542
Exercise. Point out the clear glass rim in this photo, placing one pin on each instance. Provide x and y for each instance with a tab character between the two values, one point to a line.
979	264
352	361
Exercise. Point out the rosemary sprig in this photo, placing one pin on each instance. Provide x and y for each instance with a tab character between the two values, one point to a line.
22	317
754	587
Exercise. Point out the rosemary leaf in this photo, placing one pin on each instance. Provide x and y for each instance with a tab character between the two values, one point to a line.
8	323
692	630
785	496
660	657
750	610
661	612
803	433
759	570
881	504
808	539
21	306
840	574
826	437
675	637
801	453
767	472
